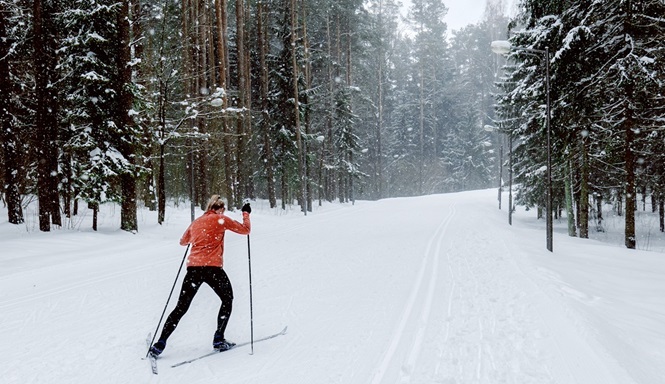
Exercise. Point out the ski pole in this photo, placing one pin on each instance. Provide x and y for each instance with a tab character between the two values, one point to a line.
169	299
251	309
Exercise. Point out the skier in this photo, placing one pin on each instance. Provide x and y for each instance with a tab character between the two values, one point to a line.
205	265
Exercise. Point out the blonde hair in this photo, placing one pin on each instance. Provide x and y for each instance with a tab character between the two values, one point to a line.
215	203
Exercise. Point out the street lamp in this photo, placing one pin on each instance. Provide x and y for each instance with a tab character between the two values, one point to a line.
491	128
503	47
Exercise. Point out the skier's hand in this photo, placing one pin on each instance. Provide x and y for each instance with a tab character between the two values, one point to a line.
246	208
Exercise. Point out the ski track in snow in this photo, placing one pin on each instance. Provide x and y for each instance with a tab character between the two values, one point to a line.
408	312
427	290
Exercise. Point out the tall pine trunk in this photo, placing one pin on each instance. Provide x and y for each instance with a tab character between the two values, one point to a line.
8	141
661	210
308	118
128	219
296	110
378	177
46	120
202	89
328	143
584	191
222	65
630	184
269	161
570	212
241	121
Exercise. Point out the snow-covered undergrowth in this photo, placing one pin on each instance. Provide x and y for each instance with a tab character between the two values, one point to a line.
433	289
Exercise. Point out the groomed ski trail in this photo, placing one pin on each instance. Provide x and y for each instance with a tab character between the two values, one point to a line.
391	356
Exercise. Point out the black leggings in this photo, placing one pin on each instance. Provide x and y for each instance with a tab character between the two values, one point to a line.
217	279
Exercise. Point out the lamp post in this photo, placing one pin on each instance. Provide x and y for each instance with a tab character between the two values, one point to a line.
491	128
503	47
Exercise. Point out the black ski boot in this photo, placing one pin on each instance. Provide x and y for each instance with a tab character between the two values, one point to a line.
221	344
158	348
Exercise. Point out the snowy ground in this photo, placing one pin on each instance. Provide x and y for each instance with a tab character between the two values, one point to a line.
434	289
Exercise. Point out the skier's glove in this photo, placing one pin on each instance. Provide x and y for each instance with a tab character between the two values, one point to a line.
246	208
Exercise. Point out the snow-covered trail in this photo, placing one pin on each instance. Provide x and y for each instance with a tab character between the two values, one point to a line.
434	289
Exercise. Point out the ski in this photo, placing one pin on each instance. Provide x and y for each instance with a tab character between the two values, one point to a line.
153	362
152	358
282	332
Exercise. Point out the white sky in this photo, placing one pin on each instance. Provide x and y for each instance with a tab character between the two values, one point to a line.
462	12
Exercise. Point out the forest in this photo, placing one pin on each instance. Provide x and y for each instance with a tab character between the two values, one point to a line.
306	101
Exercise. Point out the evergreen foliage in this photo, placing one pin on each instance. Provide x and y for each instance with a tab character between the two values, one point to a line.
607	76
141	102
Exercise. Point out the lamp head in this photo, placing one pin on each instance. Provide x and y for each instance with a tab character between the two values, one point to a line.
502	47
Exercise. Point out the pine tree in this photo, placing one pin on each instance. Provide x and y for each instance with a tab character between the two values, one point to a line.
630	77
162	60
433	76
98	109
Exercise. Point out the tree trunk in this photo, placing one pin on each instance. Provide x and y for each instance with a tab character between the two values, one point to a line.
584	192
264	85
421	122
202	89
570	213
8	137
222	65
248	115
296	111
379	118
162	102
661	210
630	185
349	83
161	187
599	213
95	210
308	118
128	219
241	154
147	180
328	144
46	122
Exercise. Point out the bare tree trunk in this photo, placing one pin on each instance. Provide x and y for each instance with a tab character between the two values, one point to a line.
630	185
161	187
128	218
46	120
349	83
308	119
269	161
296	110
249	124
421	121
599	212
379	121
190	91
149	189
222	65
328	147
162	102
202	88
584	192
570	212
341	172
8	137
95	210
242	173
661	210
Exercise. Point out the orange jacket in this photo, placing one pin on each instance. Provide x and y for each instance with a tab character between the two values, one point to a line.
206	234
